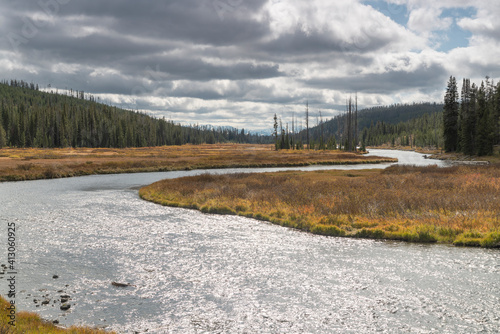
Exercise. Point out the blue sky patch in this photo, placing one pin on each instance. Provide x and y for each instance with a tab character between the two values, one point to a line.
456	37
397	13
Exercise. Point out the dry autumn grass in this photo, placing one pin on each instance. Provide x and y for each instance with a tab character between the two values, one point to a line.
457	205
35	163
31	323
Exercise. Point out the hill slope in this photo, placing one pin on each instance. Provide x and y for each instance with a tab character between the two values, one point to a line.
381	125
32	118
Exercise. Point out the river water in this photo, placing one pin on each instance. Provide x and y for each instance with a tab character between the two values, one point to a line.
198	273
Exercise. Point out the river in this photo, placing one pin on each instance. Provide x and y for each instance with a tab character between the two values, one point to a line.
198	273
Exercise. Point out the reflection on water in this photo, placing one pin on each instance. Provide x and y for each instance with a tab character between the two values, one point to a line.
196	273
409	158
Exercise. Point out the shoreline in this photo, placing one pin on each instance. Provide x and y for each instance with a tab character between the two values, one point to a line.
47	175
36	164
353	211
438	154
31	322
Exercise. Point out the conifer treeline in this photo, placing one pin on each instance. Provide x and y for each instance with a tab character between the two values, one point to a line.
423	131
416	124
471	121
32	118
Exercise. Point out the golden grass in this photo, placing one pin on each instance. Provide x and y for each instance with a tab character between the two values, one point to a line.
36	163
31	323
457	205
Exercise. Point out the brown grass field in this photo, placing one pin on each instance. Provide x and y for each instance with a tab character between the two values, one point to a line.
458	205
31	323
35	163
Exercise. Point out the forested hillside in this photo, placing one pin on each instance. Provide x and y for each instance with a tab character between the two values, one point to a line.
423	131
411	124
33	118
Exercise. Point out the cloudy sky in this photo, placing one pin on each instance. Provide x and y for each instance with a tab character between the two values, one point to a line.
237	62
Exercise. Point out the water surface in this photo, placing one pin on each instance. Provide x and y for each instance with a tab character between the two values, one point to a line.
198	273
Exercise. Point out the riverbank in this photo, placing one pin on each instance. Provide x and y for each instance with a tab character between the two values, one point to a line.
456	157
34	163
456	205
31	323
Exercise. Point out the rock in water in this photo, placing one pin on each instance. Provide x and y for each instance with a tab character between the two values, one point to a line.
65	307
121	285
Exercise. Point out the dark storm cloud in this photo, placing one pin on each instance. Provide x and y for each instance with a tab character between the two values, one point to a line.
132	37
427	77
190	66
239	91
93	50
196	22
300	42
187	20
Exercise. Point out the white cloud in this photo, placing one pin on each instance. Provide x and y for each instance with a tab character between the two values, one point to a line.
181	60
485	27
354	26
426	20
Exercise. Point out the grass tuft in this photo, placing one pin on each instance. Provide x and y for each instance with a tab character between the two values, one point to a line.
31	323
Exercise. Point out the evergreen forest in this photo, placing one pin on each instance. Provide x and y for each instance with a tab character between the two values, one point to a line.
417	124
30	117
471	120
468	122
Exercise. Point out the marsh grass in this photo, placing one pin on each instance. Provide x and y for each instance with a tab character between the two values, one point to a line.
417	204
31	323
55	163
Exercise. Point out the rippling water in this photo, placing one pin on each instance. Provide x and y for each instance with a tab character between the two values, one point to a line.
197	273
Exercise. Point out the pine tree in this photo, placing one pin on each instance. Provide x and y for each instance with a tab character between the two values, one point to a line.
3	136
307	124
484	123
321	139
468	118
275	134
450	116
496	115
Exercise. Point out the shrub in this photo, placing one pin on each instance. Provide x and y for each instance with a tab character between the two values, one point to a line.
421	233
492	240
391	228
241	208
370	233
330	230
50	173
426	234
331	220
222	210
448	232
278	214
468	242
25	166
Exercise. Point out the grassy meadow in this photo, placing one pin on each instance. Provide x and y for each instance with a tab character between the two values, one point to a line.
458	205
31	323
18	164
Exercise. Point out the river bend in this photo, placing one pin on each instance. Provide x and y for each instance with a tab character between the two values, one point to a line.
198	273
